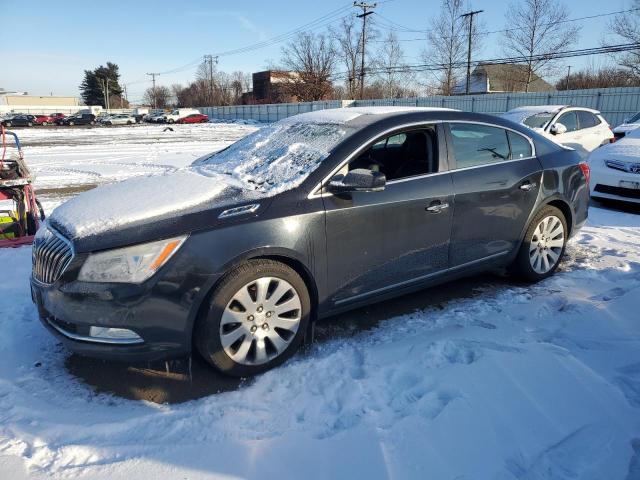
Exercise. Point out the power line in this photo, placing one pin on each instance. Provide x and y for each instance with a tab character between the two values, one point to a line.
427	67
153	79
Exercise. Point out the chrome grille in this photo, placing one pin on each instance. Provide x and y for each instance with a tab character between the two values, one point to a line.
52	253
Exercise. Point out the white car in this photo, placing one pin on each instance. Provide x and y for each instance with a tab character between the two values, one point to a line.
582	129
627	125
615	170
120	119
179	113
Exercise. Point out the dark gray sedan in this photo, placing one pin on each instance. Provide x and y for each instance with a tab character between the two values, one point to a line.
313	215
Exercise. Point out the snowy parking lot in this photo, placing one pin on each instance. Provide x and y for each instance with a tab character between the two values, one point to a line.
485	378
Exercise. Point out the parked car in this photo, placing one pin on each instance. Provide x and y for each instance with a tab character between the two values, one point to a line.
157	117
44	120
582	129
627	126
194	118
79	119
309	216
178	114
615	170
20	121
59	119
119	119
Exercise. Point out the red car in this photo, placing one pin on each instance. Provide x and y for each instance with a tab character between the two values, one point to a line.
194	118
44	120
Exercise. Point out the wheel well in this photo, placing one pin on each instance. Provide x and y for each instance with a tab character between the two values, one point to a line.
566	211
299	268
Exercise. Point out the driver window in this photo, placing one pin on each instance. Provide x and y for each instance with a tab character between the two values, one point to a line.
569	120
401	155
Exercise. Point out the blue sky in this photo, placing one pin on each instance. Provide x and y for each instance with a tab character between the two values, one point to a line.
47	45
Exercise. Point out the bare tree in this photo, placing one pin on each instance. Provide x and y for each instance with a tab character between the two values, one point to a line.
627	26
536	28
312	58
447	45
160	96
391	68
605	77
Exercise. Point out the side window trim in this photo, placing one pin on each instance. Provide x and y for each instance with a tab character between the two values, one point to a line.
451	159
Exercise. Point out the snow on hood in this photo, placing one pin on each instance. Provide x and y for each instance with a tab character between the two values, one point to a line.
625	149
141	200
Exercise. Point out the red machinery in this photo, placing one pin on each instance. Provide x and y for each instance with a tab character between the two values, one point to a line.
20	211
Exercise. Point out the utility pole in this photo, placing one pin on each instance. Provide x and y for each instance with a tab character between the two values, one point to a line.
365	13
568	74
470	15
208	60
153	79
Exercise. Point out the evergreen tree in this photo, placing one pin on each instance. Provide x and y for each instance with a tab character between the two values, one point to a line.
94	84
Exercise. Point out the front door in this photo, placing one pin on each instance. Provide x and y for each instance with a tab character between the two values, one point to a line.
378	241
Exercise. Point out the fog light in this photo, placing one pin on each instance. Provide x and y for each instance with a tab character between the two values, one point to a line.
105	333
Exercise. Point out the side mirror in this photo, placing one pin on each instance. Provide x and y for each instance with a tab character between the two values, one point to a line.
558	128
358	180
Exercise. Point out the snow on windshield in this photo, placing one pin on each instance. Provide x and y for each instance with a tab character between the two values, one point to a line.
277	157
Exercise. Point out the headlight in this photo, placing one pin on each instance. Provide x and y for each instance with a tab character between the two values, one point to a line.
130	264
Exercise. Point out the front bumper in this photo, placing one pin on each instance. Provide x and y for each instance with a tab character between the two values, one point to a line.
160	311
606	183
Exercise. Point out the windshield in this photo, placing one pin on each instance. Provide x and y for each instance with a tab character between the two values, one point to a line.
634	119
277	157
539	120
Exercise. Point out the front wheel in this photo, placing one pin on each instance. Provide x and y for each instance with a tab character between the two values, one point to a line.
170	120
44	124
7	124
257	318
71	124
543	246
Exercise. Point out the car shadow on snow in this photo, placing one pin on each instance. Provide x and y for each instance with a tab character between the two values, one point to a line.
187	379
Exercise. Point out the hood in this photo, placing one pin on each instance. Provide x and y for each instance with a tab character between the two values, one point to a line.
626	149
626	127
145	208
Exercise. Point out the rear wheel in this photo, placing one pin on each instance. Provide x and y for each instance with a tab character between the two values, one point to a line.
7	124
170	120
257	318
543	246
71	124
44	124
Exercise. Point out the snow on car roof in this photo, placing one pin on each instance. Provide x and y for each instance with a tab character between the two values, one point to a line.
344	115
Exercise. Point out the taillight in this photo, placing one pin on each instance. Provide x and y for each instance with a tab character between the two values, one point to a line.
586	170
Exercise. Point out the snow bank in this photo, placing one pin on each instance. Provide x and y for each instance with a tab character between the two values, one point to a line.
516	382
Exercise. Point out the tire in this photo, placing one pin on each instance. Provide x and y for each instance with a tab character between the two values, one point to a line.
29	124
7	124
71	124
543	245
44	124
253	343
170	120
128	122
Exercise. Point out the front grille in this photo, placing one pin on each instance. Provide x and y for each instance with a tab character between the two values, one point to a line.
51	255
623	166
620	191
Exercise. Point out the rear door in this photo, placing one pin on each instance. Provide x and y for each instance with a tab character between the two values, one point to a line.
594	131
496	178
379	241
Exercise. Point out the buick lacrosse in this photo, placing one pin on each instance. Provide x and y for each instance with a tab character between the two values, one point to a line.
319	213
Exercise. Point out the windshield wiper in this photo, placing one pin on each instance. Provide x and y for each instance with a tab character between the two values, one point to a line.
493	152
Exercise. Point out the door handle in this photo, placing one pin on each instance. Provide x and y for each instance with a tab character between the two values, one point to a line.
437	207
527	186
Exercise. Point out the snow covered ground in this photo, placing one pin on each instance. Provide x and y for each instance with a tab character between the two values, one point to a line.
514	382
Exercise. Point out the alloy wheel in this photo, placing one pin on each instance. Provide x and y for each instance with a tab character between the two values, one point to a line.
546	244
260	321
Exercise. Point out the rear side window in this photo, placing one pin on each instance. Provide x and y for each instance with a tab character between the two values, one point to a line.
475	144
520	146
569	120
587	119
